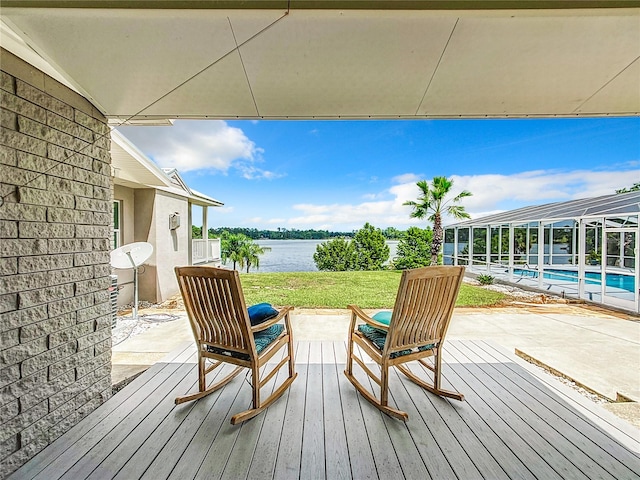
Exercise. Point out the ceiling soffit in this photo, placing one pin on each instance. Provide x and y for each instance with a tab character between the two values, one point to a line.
329	63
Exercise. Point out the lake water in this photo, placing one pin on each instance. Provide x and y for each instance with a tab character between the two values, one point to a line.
295	255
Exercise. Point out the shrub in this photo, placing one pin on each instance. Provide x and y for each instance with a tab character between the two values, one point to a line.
414	249
371	248
335	255
367	251
485	279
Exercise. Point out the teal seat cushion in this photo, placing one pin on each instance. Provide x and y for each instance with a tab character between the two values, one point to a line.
262	339
267	336
261	312
383	317
379	337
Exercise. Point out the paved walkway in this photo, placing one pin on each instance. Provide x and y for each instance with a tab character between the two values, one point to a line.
596	348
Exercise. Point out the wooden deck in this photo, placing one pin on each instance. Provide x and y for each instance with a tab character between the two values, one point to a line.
515	423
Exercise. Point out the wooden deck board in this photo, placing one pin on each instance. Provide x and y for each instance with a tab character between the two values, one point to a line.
422	432
559	434
384	456
569	398
290	451
498	455
335	439
513	424
312	461
359	449
601	454
523	441
449	412
114	450
450	454
198	441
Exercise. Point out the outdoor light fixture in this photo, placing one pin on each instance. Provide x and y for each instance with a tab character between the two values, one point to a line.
174	221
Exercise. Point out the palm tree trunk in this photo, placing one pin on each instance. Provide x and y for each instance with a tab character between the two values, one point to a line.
436	244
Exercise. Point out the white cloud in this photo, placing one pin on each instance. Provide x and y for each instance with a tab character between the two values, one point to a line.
492	193
210	145
505	192
226	210
406	178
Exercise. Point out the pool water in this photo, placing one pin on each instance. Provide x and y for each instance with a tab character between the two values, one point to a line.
624	282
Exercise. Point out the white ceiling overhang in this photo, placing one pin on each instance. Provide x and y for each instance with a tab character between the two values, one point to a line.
371	59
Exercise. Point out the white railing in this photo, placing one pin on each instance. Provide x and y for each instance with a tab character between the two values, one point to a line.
205	251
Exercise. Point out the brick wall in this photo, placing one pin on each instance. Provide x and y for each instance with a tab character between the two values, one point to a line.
55	230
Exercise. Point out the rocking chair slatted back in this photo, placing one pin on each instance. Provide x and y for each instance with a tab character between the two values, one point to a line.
423	308
220	316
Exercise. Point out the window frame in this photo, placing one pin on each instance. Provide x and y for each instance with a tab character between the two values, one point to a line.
116	240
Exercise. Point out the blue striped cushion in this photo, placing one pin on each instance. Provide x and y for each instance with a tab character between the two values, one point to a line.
379	337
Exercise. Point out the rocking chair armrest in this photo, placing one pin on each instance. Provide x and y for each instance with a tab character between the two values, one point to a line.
367	319
284	311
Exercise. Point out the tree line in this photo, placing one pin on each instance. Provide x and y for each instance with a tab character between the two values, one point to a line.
390	233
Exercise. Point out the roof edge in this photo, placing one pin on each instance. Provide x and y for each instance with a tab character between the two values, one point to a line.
550	211
123	142
329	4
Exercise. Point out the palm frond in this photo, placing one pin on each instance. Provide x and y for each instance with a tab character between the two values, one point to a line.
457	211
461	195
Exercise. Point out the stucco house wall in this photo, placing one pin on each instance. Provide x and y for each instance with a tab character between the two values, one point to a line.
157	280
171	245
55	237
145	218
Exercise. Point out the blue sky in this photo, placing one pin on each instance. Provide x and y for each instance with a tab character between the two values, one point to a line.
337	175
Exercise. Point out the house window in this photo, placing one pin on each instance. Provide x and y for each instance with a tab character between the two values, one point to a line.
117	222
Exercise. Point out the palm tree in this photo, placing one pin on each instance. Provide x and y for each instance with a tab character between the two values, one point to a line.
251	254
432	204
232	247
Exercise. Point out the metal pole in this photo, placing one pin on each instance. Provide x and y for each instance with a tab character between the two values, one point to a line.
541	251
135	293
135	285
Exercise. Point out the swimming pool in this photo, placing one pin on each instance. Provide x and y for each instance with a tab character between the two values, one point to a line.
616	280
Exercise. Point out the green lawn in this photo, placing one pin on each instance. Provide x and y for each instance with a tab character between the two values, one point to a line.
339	289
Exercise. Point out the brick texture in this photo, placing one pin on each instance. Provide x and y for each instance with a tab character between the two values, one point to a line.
55	230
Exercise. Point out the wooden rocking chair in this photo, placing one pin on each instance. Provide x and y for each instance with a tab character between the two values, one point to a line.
223	333
421	314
